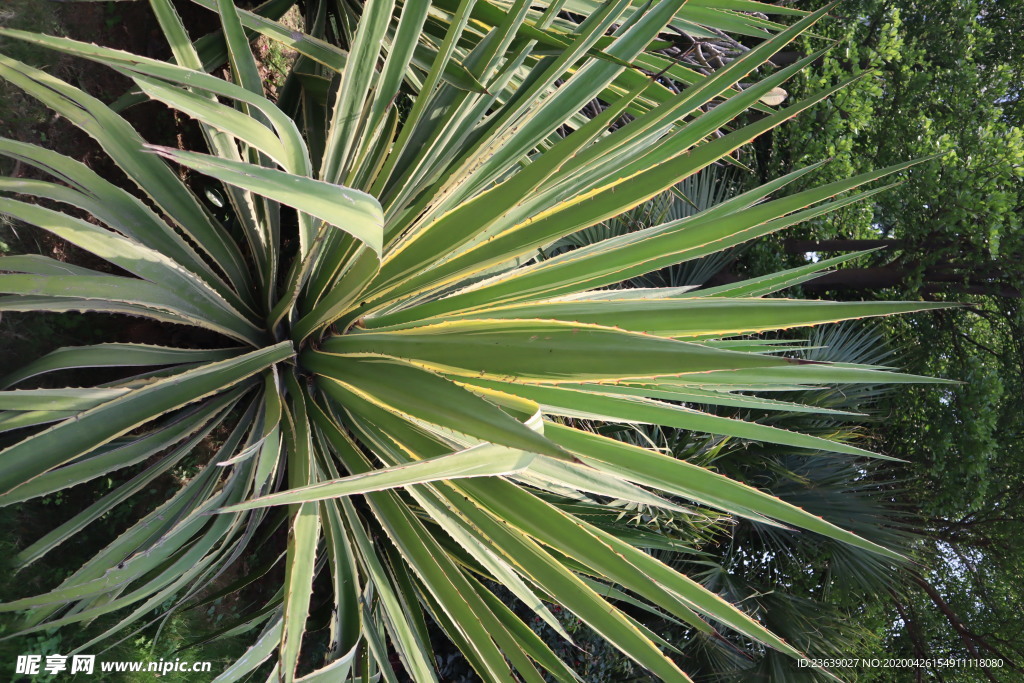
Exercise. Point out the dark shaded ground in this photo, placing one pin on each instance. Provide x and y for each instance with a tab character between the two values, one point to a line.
129	26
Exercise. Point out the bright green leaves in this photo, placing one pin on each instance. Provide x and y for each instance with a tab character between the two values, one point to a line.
417	394
680	317
548	351
390	213
125	147
595	402
115	356
96	426
659	471
351	211
304	532
478	461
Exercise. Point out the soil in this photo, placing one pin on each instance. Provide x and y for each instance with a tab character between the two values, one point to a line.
129	26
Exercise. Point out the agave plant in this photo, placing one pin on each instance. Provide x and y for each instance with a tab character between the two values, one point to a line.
394	371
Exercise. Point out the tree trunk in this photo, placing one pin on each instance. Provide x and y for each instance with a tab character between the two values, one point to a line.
803	246
896	276
863	279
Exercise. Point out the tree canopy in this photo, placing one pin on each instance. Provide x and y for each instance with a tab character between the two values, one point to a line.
940	78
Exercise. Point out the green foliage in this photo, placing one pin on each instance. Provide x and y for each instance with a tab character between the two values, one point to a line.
946	80
958	218
911	53
379	396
